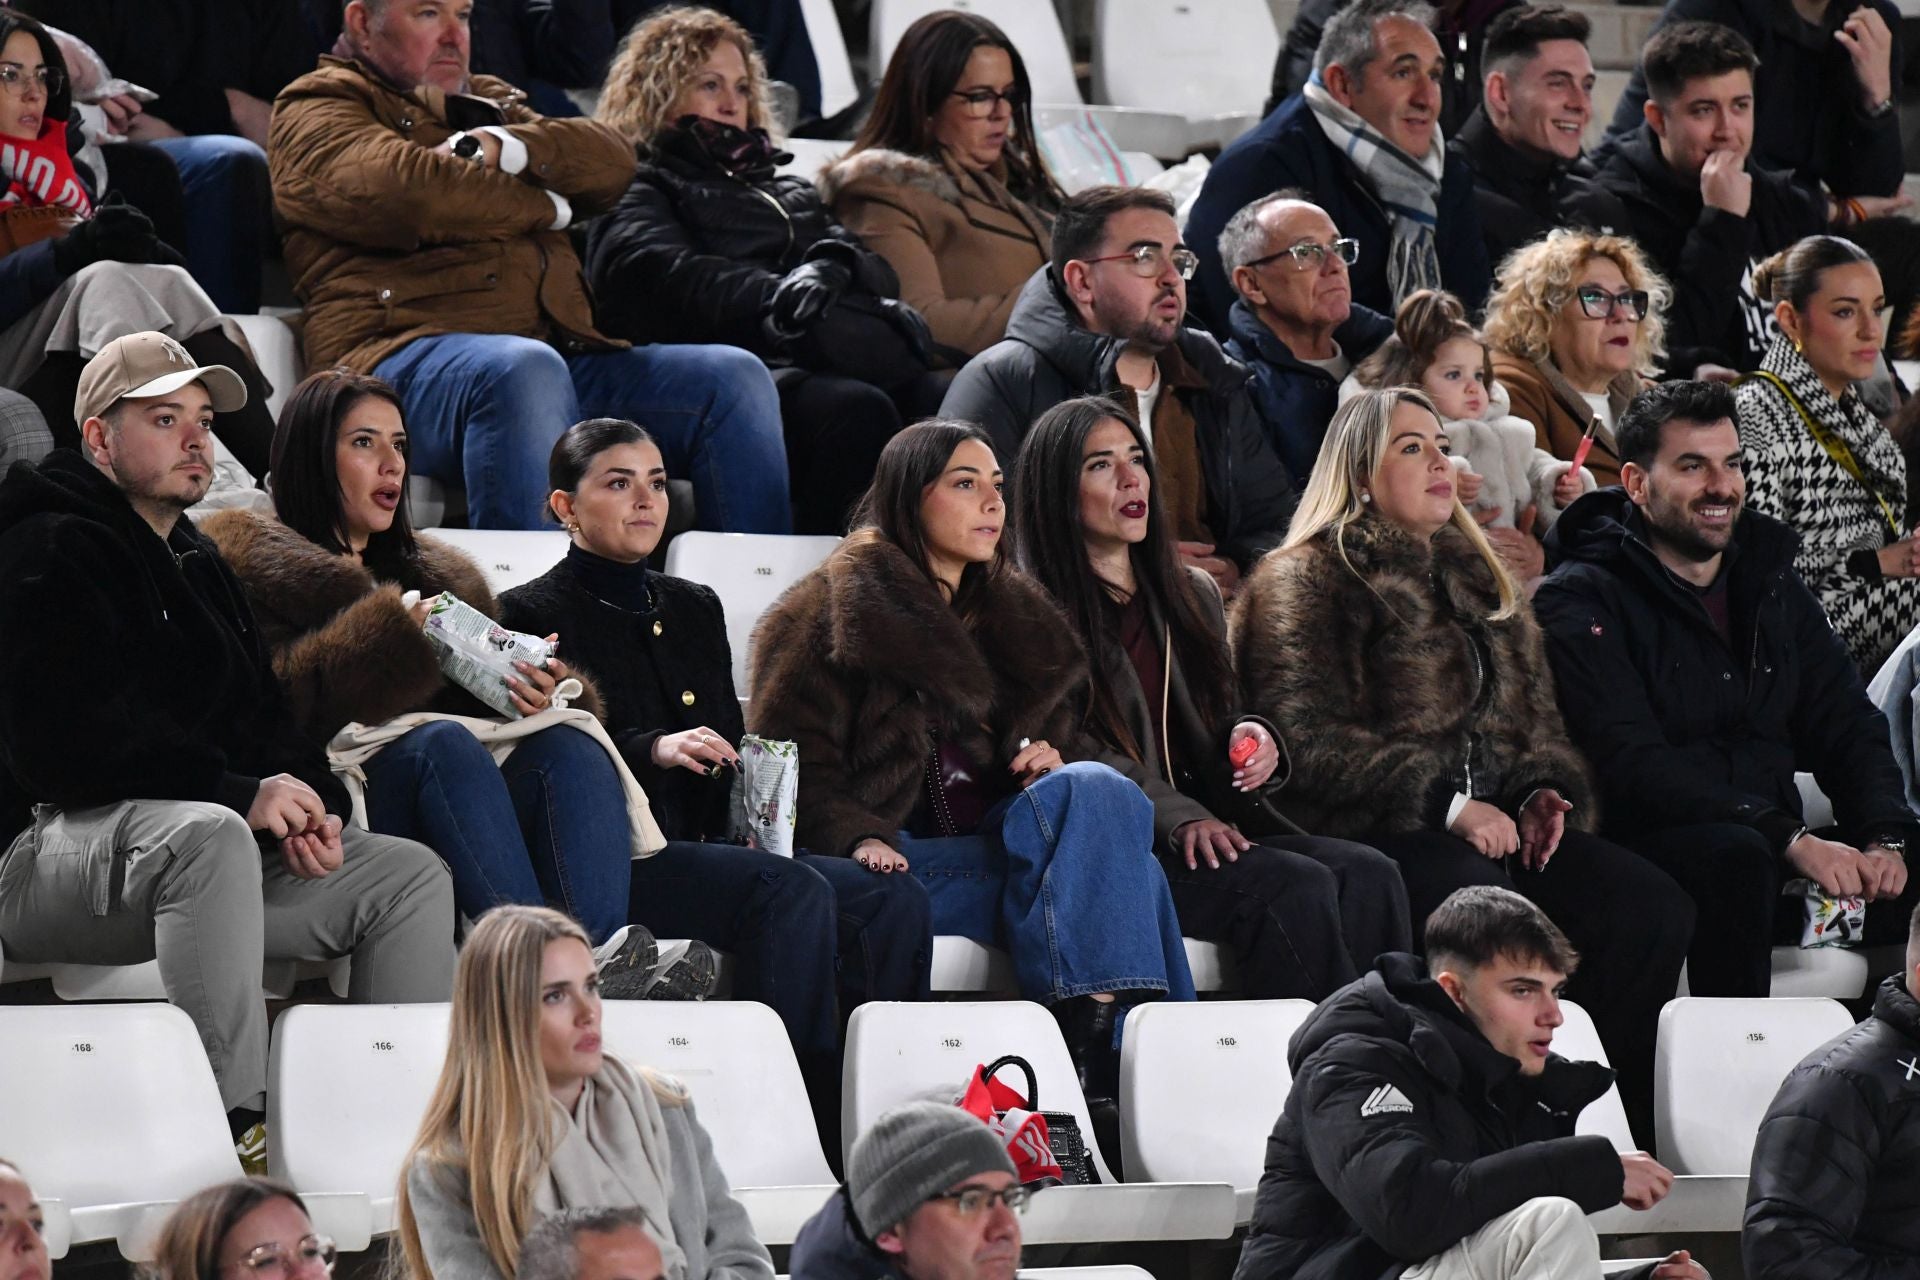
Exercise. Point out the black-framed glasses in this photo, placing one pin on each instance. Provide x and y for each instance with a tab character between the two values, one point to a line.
1310	255
1598	304
968	1201
277	1262
983	103
14	78
1149	260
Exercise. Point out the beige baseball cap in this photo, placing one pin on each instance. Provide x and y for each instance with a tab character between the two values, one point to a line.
150	364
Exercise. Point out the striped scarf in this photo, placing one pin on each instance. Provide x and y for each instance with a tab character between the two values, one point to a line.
1407	188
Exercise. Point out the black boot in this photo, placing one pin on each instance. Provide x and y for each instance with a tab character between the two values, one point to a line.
1087	1025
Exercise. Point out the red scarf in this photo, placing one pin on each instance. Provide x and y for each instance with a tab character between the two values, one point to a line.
40	172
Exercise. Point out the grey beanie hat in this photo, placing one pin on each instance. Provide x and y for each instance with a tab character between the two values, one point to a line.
914	1152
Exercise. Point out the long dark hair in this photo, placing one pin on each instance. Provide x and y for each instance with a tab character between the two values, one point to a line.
305	482
189	1243
1052	547
59	100
925	66
915	458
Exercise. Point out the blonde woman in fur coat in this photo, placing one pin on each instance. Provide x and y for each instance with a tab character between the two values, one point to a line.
1391	647
326	580
946	181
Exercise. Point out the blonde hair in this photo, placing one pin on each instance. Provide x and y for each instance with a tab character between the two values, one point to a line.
1538	279
488	1123
657	61
1354	449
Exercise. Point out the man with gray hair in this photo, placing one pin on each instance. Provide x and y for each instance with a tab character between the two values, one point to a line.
1295	323
931	1194
590	1244
1363	140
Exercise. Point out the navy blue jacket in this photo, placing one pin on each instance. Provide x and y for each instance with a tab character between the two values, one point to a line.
1289	149
830	1247
1296	400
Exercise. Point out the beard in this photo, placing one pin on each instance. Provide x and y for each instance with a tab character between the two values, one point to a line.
1146	331
1674	524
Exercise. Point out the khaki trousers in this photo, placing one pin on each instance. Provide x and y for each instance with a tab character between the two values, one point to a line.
1544	1239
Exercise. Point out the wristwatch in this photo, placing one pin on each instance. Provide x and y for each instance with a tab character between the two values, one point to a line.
1895	845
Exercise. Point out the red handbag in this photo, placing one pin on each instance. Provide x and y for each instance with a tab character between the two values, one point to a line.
1046	1146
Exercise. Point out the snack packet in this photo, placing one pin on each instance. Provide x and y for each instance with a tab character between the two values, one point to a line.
478	653
1830	921
766	792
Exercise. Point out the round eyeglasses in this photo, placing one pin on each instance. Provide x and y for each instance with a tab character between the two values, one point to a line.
968	1201
1309	255
277	1262
1599	304
1150	260
982	104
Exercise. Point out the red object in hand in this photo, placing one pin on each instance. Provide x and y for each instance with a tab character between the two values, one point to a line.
1244	750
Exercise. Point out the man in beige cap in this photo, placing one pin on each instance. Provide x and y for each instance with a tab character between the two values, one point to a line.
158	801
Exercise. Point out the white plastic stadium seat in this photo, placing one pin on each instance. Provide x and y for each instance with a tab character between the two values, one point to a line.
56	1226
735	1058
748	571
961	964
1718	1066
509	557
115	1112
903	1052
1698	1202
347	1086
837	88
277	352
1031	26
1164	55
1171	1131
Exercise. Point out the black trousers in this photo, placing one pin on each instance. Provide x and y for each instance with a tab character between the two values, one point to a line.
1302	915
1734	879
1627	918
835	429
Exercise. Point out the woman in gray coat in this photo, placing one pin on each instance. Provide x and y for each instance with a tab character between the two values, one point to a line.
531	1117
1302	915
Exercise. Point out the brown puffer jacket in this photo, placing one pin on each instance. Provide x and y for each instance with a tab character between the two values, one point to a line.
388	241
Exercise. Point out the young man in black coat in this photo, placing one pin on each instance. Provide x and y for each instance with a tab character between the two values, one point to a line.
1697	673
1105	317
158	801
1703	210
1836	1167
1429	1133
1523	142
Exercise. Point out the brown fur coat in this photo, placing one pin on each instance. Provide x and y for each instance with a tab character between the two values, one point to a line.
864	654
343	646
1375	682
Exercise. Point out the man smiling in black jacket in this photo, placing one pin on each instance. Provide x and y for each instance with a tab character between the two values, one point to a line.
1429	1133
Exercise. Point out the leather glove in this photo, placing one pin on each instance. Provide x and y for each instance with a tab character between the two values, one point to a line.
911	326
804	294
117	232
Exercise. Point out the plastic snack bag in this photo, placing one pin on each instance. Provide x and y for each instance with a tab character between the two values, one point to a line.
766	793
478	653
1830	922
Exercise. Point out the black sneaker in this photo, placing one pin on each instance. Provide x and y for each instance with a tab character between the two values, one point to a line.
627	962
687	970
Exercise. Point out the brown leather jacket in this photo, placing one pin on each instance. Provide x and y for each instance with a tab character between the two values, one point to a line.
387	241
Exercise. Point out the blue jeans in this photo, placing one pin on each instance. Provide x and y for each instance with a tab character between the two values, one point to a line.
229	208
486	409
548	826
1062	875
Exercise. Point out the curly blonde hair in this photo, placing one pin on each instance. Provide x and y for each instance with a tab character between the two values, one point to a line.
658	60
1537	279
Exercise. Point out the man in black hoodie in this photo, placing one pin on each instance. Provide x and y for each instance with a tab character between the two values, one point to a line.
1697	673
158	801
1106	317
1429	1133
1836	1166
1701	208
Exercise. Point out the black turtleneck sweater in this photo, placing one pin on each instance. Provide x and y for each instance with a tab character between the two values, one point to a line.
1522	195
657	648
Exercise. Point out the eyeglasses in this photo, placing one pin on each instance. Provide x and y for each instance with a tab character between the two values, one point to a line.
1149	260
984	103
276	1260
1599	304
1310	256
968	1201
14	78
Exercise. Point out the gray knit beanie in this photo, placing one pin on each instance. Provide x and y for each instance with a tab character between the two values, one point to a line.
914	1152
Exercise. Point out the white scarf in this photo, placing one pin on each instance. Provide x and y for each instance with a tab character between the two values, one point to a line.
614	1150
1407	188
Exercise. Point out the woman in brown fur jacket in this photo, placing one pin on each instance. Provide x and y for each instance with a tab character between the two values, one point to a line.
933	690
1388	643
326	580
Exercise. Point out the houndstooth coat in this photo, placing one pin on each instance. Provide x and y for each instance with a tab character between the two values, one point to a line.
1791	477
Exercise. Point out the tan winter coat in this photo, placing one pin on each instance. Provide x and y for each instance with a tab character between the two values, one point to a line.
1369	667
1543	397
961	243
387	241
